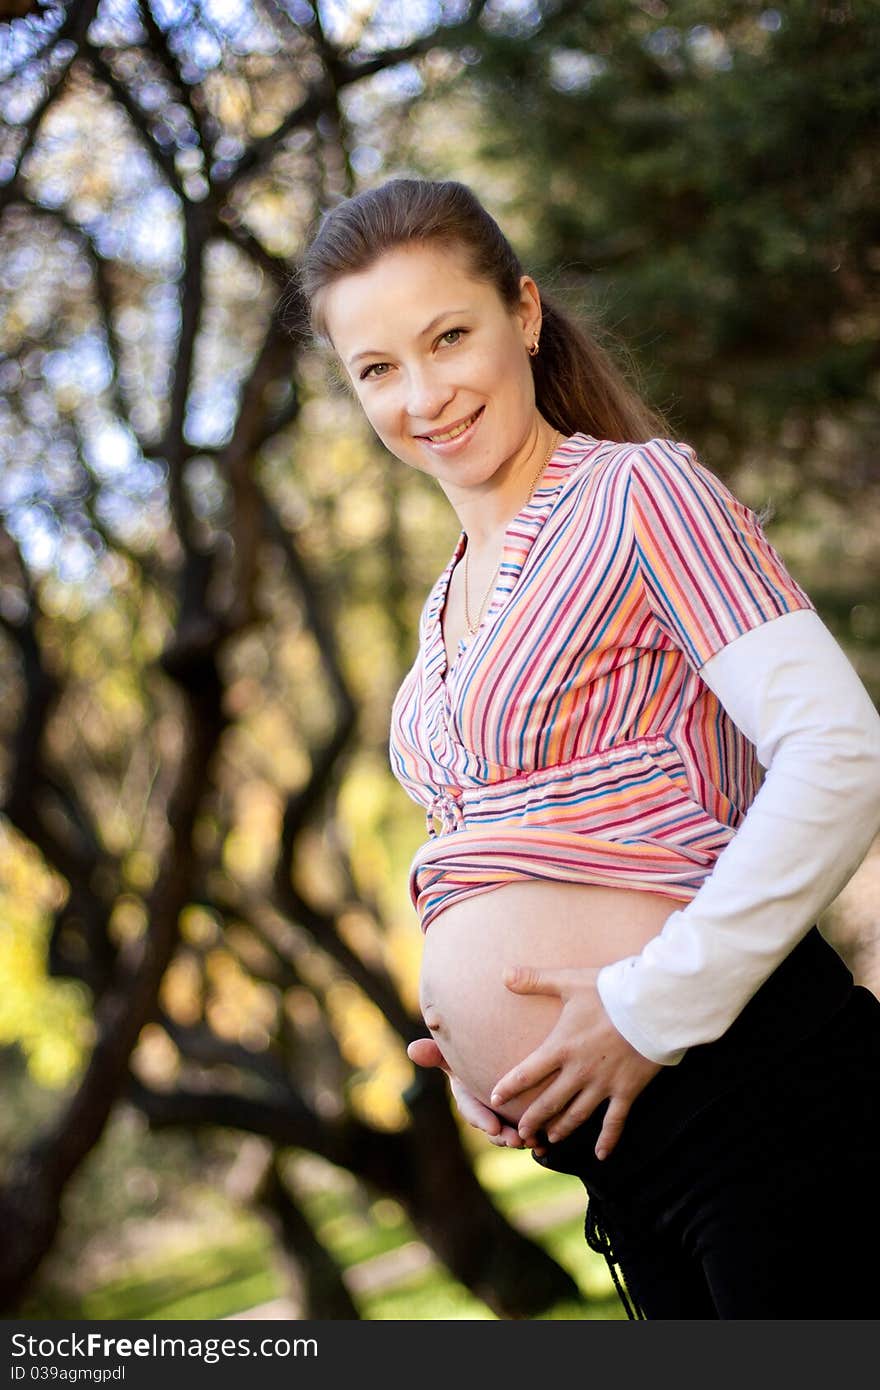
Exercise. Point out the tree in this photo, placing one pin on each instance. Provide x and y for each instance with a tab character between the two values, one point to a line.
697	182
162	174
704	178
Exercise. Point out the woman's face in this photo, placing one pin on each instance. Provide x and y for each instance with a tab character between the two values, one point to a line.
438	361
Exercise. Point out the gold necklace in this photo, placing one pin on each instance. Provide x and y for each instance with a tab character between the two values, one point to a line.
472	627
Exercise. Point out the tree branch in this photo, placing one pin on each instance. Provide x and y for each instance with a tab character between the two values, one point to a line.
161	49
73	30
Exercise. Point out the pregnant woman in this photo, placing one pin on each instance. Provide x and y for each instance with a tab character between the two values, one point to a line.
621	967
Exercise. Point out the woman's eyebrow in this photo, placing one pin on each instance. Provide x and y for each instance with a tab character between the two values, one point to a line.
377	352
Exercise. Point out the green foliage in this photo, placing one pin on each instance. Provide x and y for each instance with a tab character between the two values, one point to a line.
702	175
154	1232
47	1019
706	175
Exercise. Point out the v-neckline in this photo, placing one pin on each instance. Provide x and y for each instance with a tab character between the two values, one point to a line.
520	535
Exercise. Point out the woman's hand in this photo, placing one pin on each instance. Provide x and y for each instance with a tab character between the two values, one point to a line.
592	1061
425	1053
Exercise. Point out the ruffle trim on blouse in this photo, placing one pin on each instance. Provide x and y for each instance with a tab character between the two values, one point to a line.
622	818
450	868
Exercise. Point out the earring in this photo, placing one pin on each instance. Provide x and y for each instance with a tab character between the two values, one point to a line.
533	350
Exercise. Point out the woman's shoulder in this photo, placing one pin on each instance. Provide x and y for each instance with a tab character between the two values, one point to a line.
619	489
661	449
590	461
662	461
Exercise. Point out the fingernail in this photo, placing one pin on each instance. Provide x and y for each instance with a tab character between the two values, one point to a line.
601	1153
495	1098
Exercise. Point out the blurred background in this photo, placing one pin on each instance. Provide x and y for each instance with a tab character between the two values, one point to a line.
211	574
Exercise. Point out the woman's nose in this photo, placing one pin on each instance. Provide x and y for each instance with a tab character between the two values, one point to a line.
428	394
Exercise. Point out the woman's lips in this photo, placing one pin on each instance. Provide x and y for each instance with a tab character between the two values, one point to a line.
447	446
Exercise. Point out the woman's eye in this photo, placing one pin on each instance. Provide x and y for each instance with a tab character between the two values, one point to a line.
451	338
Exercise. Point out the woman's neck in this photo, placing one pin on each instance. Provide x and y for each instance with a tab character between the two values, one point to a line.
485	513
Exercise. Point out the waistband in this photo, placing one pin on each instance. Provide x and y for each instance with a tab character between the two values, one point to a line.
803	992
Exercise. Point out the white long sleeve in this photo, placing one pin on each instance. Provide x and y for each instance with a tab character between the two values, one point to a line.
790	688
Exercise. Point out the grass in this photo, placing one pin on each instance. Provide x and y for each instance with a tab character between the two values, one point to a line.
390	1273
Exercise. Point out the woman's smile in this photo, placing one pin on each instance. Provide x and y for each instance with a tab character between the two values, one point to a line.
455	436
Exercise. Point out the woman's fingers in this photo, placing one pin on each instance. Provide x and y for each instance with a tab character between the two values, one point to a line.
473	1110
425	1053
537	1067
528	979
508	1138
565	1119
546	1110
612	1126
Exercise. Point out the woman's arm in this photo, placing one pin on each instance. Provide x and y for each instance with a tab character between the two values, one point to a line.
790	688
792	691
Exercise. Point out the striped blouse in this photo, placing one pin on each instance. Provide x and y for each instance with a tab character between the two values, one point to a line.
572	739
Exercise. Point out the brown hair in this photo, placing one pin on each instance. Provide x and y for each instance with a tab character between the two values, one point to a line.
578	387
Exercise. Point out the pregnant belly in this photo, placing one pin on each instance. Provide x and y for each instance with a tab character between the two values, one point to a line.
480	1026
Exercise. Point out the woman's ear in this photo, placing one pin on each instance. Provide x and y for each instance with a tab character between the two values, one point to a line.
529	309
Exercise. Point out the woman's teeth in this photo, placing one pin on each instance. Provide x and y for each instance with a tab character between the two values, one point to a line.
453	434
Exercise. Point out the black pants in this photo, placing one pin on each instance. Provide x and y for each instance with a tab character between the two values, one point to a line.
746	1183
